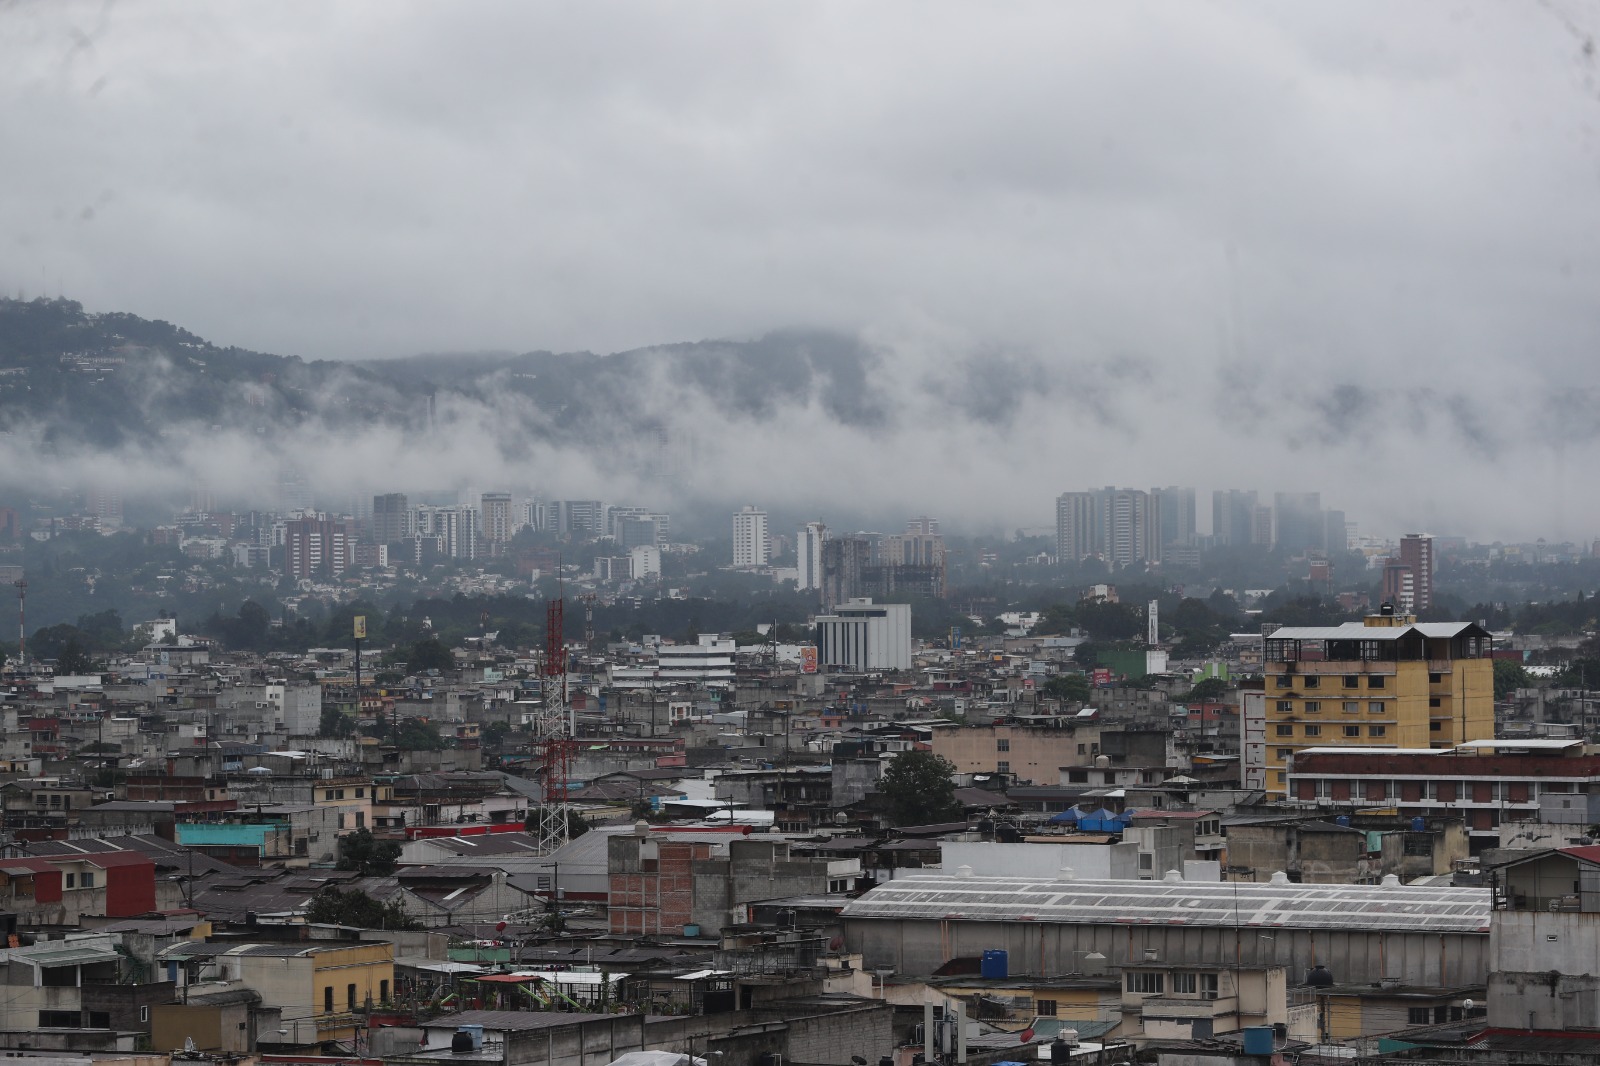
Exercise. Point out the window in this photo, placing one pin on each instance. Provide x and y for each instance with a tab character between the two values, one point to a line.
1185	984
1148	984
1352	706
1285	681
1083	749
1284	753
1003	744
1434	679
1375	707
60	1019
1352	681
1433	701
1377	730
1312	681
72	880
1208	985
1313	706
1045	1007
383	991
1352	731
1286	706
1313	730
1147	861
1375	681
339	794
1285	730
361	819
327	1000
361	793
328	795
350	995
1418	1016
1003	766
144	1013
341	821
88	879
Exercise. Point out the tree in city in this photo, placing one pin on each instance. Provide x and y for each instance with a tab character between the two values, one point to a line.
921	789
430	653
1069	688
368	855
1208	690
494	734
72	659
1508	677
335	723
333	906
417	735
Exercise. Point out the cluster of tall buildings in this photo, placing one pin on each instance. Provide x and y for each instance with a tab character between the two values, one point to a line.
480	526
844	567
1125	527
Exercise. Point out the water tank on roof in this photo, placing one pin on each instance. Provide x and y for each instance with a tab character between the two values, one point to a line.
1419	824
1102	762
1319	976
1343	819
1258	1040
996	965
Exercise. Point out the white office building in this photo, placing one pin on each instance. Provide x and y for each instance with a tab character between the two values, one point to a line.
862	635
707	663
750	544
644	561
808	551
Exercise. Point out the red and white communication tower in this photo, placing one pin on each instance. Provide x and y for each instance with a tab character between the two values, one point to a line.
554	734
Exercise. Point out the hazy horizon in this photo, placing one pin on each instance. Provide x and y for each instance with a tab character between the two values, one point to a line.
1348	250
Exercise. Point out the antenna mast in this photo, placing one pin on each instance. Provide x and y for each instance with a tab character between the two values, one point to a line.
554	733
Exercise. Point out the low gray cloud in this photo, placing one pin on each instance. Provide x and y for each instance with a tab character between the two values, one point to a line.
1033	248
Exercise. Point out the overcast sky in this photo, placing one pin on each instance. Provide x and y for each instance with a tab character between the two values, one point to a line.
1232	210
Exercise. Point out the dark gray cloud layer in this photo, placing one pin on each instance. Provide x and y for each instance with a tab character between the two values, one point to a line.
1350	247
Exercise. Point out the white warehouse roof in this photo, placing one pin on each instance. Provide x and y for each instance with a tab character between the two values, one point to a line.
1285	905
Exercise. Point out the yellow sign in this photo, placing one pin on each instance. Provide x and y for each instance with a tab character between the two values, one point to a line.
361	627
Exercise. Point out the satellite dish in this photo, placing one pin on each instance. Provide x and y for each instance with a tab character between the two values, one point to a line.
500	927
836	943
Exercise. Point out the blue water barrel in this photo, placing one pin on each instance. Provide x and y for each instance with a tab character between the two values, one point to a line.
1258	1040
996	964
1419	824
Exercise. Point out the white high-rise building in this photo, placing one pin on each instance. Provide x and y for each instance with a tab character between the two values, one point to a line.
808	552
750	544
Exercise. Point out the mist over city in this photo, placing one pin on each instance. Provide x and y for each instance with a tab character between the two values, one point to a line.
710	534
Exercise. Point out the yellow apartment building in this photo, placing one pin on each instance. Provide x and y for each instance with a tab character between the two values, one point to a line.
1385	682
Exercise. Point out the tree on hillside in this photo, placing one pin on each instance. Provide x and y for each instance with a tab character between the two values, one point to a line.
921	789
366	854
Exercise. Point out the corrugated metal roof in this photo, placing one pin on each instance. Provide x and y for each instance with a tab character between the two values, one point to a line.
1460	910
